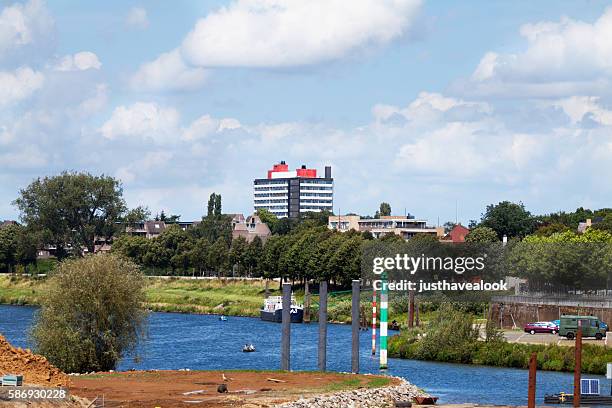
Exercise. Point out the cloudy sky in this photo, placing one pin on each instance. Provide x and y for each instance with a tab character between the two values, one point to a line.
426	105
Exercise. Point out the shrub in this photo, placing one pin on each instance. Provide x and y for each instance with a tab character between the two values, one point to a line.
91	313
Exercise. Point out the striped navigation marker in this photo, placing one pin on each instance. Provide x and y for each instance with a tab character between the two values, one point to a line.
373	320
384	305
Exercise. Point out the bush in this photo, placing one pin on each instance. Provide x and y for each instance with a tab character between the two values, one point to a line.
91	313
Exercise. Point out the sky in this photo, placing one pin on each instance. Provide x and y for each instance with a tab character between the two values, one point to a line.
439	108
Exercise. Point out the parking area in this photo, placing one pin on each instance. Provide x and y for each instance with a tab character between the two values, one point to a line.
517	336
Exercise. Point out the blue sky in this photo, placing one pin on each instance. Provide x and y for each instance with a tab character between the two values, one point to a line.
422	104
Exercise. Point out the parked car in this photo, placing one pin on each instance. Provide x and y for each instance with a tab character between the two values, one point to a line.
541	327
591	326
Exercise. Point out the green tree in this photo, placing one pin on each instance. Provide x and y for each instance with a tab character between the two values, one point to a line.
509	219
72	209
198	255
91	313
252	256
218	257
384	210
549	229
17	247
267	217
482	235
605	224
237	255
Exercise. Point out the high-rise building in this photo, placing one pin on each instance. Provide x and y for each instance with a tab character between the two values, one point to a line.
288	193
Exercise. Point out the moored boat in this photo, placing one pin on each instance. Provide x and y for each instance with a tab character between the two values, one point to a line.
272	310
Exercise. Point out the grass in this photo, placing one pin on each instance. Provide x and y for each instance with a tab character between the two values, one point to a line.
205	296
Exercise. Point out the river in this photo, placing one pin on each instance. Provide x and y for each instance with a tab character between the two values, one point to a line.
201	342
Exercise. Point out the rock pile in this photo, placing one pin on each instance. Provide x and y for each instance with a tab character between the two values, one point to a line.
360	398
34	368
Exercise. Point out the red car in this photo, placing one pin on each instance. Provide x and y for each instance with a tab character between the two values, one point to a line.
541	327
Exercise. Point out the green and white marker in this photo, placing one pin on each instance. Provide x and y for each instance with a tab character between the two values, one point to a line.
384	307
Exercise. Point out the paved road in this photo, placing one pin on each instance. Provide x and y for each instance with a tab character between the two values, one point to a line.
515	336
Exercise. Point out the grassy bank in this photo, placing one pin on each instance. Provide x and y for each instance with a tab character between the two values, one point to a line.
206	296
499	353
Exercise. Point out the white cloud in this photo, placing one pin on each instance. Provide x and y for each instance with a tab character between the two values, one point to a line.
206	125
18	85
81	61
561	58
145	120
151	160
428	107
168	72
277	33
23	24
137	18
577	107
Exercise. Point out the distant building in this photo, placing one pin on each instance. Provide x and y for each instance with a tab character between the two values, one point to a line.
344	222
288	193
403	226
250	228
583	226
457	234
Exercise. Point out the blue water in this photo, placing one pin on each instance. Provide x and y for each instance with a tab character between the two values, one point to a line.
201	342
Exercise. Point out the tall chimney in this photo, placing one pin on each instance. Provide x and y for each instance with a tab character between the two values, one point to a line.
327	171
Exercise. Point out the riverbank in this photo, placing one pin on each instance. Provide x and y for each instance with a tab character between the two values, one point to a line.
230	297
500	353
244	388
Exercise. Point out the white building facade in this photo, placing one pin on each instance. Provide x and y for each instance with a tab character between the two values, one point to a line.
288	193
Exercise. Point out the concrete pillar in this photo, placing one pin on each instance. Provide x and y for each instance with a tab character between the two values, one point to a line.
286	328
355	326
322	325
577	365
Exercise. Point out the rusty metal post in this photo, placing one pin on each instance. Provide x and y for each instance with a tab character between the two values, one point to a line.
531	393
411	309
577	365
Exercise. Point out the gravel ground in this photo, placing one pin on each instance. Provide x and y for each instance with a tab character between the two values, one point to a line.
360	398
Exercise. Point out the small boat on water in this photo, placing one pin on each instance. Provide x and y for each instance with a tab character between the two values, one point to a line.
272	310
223	318
248	348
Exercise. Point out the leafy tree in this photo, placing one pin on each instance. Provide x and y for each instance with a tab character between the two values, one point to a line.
509	219
448	226
72	209
237	254
482	235
135	216
550	229
17	247
577	261
267	217
198	255
91	313
253	254
605	224
133	247
383	211
218	256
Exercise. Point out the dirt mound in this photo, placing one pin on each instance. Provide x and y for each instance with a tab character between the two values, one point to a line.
34	368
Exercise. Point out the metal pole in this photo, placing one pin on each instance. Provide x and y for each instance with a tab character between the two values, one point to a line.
373	321
306	302
322	325
286	328
384	296
355	326
578	364
531	393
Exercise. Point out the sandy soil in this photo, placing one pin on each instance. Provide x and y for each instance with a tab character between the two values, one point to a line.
199	388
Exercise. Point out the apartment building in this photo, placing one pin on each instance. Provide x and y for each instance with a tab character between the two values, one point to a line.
288	193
